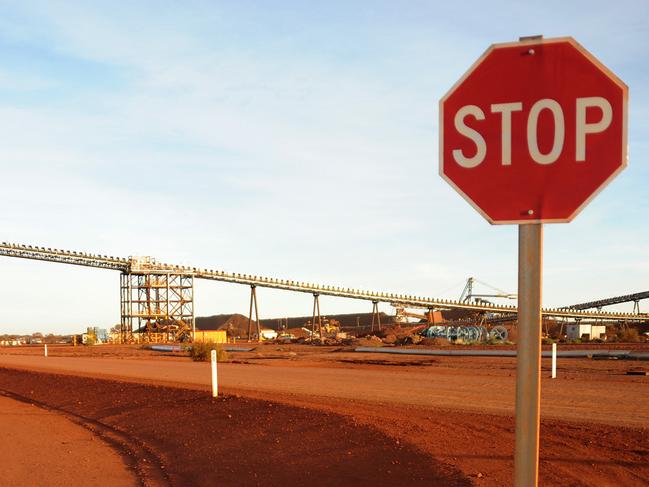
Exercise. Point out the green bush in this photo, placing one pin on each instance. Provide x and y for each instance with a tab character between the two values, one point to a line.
202	351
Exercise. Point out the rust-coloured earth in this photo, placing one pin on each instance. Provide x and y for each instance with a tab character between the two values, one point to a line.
594	431
42	448
184	437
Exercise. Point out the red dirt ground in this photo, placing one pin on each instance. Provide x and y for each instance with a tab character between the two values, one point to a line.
67	455
594	431
185	438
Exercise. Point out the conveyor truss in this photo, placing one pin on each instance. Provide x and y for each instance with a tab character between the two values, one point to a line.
181	314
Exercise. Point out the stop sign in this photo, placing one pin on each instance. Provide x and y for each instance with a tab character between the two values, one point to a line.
533	131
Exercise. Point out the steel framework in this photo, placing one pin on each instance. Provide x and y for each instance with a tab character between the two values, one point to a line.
599	304
376	316
253	302
138	310
157	303
316	314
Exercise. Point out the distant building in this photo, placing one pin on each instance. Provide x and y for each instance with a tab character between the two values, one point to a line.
99	335
580	331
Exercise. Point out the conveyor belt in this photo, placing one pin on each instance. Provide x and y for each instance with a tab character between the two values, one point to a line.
139	266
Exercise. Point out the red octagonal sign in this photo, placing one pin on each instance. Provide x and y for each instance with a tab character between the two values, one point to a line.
533	131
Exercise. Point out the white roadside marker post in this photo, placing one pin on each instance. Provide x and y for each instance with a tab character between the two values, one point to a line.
554	360
215	379
45	350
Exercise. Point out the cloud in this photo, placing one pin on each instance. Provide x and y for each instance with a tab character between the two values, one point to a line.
294	142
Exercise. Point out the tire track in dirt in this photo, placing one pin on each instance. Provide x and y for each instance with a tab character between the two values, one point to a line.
140	459
190	439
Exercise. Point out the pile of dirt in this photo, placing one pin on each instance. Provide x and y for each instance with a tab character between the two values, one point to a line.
348	321
298	332
186	438
370	341
235	324
393	335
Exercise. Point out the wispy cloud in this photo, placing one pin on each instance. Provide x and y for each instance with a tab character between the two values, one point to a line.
298	141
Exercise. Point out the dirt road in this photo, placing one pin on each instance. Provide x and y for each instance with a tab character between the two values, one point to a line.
594	430
627	403
40	447
184	438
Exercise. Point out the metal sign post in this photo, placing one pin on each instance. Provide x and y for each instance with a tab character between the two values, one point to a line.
528	367
491	130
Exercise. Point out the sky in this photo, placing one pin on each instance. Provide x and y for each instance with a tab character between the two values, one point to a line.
296	140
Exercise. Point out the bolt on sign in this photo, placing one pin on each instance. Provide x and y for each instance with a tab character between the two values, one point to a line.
533	131
529	135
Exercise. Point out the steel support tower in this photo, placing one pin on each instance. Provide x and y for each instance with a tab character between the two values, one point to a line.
157	304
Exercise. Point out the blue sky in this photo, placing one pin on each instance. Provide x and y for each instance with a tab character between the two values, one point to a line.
297	140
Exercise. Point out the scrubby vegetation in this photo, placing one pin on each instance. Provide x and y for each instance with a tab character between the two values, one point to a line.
201	352
628	335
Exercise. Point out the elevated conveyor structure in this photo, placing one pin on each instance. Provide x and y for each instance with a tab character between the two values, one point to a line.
142	308
600	303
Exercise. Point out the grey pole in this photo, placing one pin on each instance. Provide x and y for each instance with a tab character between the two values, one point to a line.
528	368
